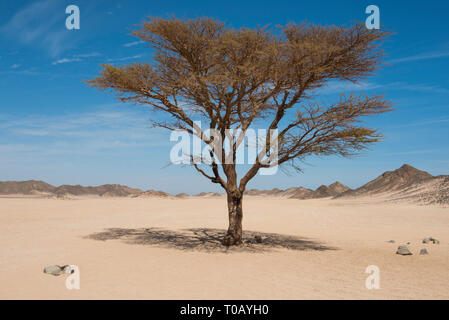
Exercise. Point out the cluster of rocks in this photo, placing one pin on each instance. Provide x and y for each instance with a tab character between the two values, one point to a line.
56	270
256	239
430	239
405	251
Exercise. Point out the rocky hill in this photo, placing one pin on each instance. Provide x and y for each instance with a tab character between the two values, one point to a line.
32	187
390	181
152	194
404	184
429	191
29	187
302	193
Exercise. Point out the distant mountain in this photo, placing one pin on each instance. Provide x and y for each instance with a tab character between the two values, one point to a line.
272	192
390	181
107	190
208	194
404	184
301	192
152	194
332	190
33	187
25	187
337	188
182	195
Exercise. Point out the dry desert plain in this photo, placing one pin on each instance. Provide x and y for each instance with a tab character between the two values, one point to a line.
132	248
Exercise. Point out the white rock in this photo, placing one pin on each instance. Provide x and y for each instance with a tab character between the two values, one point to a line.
68	269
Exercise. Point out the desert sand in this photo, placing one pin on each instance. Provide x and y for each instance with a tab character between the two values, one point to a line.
133	248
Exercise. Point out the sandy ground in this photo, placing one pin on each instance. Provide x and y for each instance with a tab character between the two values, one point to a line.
143	248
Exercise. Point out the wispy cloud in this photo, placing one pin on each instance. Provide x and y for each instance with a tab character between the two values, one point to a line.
418	87
104	130
417	152
134	43
15	66
337	87
126	58
87	55
37	24
106	123
423	56
76	58
65	60
423	122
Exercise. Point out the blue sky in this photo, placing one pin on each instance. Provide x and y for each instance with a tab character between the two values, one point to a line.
54	128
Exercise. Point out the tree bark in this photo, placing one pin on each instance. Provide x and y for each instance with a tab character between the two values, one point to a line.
235	211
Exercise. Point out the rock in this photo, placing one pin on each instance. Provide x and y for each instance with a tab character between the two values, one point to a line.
258	239
54	270
408	242
430	239
391	241
68	269
423	251
404	251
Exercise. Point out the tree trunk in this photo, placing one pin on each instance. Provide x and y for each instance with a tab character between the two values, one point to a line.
234	234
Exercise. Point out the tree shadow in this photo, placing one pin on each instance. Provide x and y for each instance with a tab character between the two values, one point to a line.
208	240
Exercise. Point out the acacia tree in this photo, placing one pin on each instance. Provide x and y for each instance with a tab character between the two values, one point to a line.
203	70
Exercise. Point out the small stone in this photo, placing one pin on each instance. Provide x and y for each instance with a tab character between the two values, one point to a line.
423	251
391	241
404	251
408	242
68	269
258	239
54	270
430	239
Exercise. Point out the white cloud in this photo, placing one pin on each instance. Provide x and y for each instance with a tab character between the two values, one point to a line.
126	58
424	122
336	87
134	43
76	58
87	55
15	66
37	24
65	60
110	127
104	132
423	56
